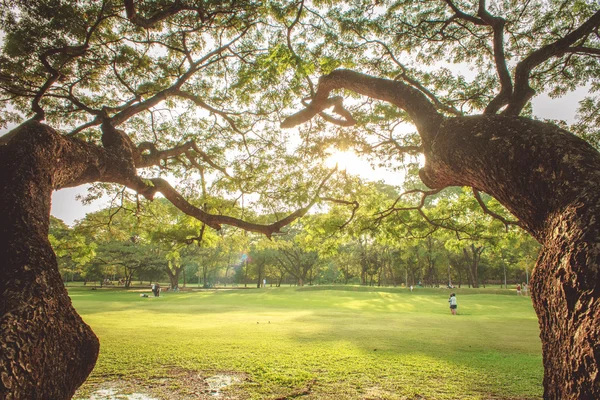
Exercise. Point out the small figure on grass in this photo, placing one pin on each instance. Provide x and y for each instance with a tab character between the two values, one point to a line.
453	304
518	289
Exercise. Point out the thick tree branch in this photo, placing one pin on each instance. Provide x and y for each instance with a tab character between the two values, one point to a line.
114	163
149	155
337	103
522	91
497	24
462	15
506	90
81	128
583	50
71	52
441	106
419	108
215	221
413	82
159	16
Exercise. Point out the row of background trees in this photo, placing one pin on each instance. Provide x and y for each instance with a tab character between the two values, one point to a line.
377	243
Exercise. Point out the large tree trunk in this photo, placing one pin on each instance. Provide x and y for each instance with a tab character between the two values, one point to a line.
259	266
550	180
47	351
392	277
472	261
173	272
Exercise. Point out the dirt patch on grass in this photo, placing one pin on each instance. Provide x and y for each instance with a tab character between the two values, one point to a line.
174	384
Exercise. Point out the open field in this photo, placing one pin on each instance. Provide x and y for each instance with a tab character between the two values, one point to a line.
313	343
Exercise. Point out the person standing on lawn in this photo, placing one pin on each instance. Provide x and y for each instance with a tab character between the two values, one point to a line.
453	304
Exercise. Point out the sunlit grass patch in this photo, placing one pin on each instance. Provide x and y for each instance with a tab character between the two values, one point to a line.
333	342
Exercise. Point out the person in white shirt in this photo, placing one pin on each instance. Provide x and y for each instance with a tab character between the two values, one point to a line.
453	304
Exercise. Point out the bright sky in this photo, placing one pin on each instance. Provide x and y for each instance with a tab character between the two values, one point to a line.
66	207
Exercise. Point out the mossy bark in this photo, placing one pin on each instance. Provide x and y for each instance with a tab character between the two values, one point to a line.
550	180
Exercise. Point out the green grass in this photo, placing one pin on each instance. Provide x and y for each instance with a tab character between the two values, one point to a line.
317	342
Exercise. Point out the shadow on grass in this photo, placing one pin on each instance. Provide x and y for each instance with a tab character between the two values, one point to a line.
488	346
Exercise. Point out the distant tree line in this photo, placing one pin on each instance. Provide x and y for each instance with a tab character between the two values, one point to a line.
450	243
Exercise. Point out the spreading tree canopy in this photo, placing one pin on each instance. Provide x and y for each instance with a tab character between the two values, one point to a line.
185	97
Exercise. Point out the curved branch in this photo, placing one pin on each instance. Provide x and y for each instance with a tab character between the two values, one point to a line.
497	24
159	16
423	113
462	15
522	91
355	206
506	86
489	212
411	81
95	122
315	108
338	108
155	156
583	50
72	52
444	107
392	209
216	221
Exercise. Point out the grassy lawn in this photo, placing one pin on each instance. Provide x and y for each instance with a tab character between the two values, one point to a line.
313	343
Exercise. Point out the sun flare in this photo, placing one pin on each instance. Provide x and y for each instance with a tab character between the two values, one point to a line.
345	161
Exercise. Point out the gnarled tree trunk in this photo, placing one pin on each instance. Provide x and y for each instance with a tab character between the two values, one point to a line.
47	351
550	180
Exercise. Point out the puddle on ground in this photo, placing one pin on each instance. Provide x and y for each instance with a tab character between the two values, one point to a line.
113	394
197	387
217	382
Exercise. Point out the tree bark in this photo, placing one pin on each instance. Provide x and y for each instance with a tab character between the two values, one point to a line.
47	351
550	180
259	273
173	272
473	263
